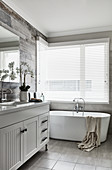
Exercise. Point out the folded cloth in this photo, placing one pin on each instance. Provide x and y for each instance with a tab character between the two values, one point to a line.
92	138
35	100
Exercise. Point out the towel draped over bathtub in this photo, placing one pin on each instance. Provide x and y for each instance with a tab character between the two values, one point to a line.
92	138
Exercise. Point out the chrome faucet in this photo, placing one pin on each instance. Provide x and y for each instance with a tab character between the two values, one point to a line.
77	106
3	92
8	91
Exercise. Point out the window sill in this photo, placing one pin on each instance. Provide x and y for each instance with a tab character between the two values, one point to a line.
71	102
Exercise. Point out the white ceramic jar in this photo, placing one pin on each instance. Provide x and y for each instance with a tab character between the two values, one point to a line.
24	96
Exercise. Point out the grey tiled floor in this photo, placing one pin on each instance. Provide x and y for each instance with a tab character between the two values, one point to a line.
64	155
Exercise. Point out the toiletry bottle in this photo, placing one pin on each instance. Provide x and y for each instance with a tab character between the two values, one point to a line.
42	96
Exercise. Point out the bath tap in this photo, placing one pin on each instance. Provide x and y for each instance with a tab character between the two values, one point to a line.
77	106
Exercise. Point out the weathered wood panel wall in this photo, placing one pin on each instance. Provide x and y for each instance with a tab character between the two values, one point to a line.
27	33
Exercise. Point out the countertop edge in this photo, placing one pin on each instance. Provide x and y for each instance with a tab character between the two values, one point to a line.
22	107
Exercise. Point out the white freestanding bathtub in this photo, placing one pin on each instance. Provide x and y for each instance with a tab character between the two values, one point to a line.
69	125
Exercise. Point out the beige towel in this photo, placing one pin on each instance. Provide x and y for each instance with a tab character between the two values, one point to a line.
92	138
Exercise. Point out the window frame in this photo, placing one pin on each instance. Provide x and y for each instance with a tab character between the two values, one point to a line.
82	42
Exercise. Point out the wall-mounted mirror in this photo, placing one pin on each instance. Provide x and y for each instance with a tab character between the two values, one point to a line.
9	53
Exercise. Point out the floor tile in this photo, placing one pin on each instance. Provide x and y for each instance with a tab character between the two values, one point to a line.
92	154
36	168
45	163
102	168
69	157
63	155
60	165
104	163
105	155
71	151
86	160
52	155
57	149
84	167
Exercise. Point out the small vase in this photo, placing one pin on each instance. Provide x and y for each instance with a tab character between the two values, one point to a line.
23	96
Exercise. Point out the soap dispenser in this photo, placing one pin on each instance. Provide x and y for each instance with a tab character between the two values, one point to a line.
42	96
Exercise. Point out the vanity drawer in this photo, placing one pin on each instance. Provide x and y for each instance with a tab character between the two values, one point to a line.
43	119
43	128
44	138
44	134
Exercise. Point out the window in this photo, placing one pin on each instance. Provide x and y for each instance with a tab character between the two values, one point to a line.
6	57
67	71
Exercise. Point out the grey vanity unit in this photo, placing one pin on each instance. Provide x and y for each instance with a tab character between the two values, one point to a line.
24	130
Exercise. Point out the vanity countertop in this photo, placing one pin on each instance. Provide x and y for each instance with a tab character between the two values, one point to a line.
18	106
18	112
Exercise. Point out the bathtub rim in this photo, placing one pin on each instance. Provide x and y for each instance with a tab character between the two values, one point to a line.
77	114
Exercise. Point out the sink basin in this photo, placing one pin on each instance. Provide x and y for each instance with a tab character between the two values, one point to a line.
16	103
7	103
21	104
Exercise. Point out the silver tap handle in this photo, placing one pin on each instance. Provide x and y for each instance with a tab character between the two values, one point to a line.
83	104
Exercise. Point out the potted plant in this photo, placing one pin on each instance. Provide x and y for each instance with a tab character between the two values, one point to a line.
24	70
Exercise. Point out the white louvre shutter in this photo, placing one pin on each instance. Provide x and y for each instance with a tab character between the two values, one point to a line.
96	72
70	71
